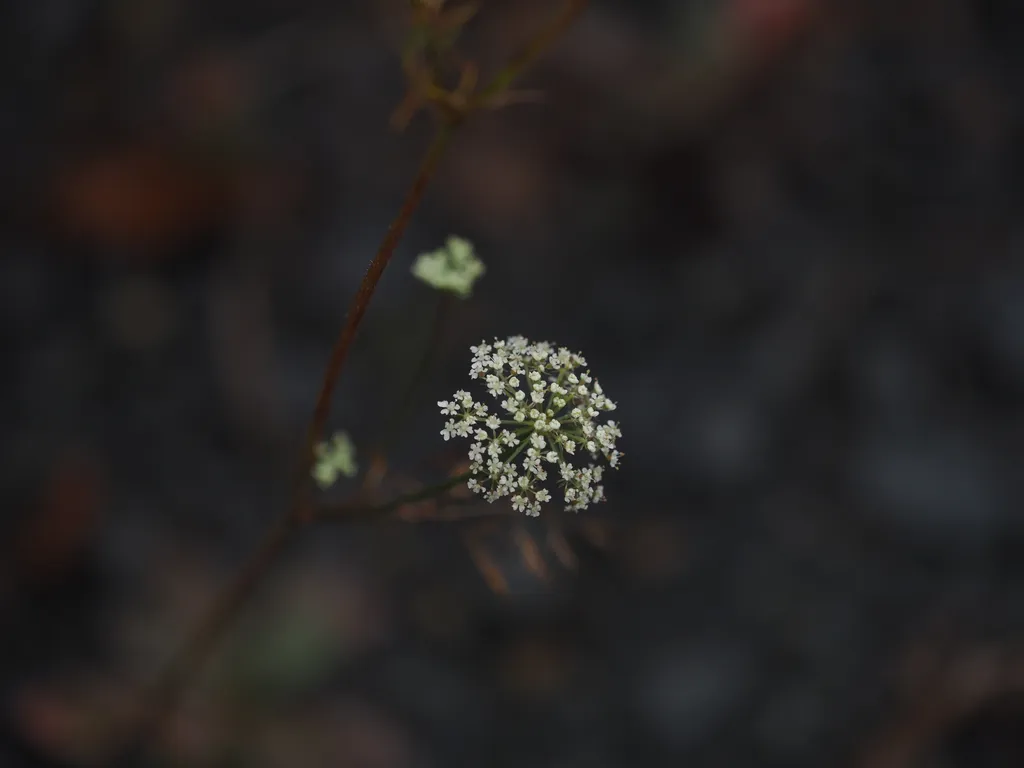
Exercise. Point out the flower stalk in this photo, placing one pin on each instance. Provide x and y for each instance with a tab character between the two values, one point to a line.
451	109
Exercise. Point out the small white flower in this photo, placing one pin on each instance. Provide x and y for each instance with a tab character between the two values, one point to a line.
532	465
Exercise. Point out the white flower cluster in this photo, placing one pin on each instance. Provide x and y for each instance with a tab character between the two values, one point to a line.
546	419
337	457
453	268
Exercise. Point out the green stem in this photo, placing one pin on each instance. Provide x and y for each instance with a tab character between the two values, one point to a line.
555	29
399	417
353	513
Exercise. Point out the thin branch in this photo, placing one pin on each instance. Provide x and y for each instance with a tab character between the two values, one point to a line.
175	677
180	670
529	55
400	414
361	302
162	698
352	513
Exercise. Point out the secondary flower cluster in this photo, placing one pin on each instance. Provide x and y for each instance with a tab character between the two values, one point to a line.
337	457
546	419
453	268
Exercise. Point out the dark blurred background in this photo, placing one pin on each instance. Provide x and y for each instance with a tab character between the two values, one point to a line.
787	235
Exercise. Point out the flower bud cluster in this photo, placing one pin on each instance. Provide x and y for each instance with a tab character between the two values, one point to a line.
453	268
337	457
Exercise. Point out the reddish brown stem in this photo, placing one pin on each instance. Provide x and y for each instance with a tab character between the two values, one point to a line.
174	679
176	676
300	506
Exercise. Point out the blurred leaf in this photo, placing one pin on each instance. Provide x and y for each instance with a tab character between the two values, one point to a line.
285	653
485	564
